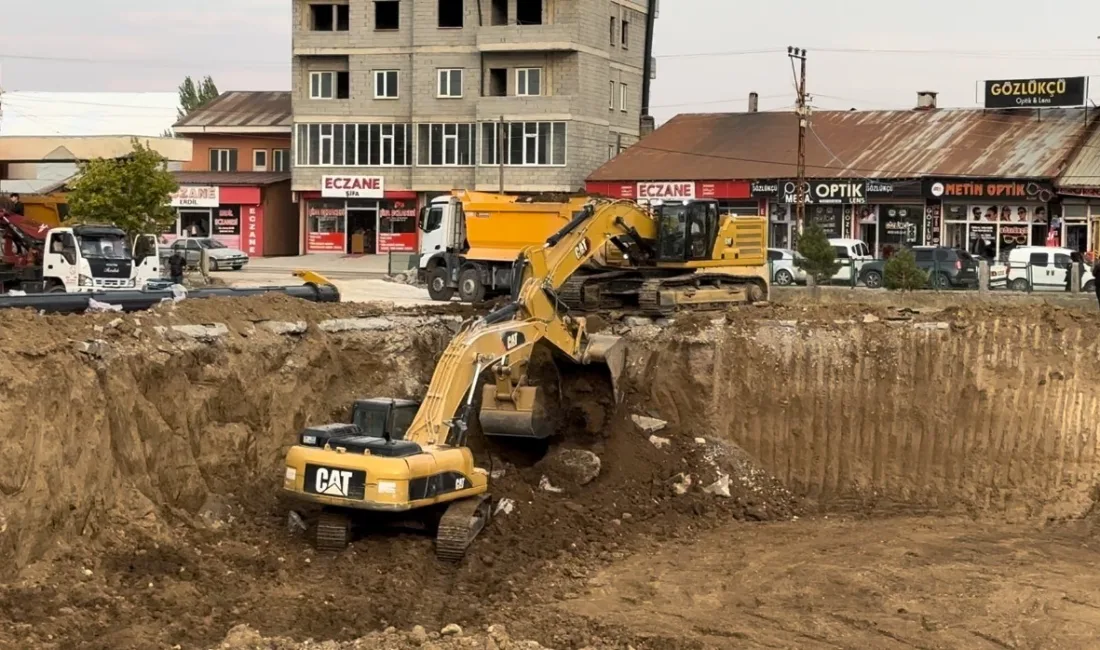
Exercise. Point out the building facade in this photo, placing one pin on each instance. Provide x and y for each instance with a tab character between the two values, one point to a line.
982	180
236	187
396	101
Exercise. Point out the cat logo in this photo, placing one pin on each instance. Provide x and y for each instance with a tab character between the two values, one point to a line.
511	340
333	482
581	248
460	483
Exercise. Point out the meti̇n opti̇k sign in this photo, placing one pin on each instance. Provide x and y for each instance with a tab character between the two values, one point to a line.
1059	92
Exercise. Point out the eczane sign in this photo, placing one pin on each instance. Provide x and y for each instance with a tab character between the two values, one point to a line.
666	190
196	196
352	187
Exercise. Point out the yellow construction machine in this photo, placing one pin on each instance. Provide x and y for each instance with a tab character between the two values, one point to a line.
398	456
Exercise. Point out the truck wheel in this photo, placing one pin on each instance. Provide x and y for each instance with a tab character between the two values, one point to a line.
437	285
470	288
57	288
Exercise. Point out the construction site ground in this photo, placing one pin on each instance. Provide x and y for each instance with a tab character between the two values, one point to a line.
841	475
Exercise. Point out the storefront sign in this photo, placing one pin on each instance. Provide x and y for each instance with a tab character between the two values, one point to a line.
1036	93
196	196
397	227
397	242
826	192
666	191
352	187
325	242
227	220
252	236
1040	191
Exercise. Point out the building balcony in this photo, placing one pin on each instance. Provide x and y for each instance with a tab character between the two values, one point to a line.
516	108
529	38
311	42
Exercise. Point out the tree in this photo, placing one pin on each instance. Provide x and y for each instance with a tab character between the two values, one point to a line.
819	257
193	96
132	193
902	272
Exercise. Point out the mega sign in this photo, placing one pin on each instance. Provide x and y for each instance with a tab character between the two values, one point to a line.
666	190
196	196
1036	93
826	192
352	187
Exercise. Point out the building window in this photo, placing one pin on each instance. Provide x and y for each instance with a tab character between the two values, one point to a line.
280	159
611	98
223	160
622	97
626	35
329	18
499	14
259	160
498	82
534	144
387	15
450	83
448	145
991	231
450	13
528	12
353	145
385	84
610	151
529	82
613	31
329	85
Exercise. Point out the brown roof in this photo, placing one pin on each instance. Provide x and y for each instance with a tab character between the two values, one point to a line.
1084	167
853	144
240	110
230	178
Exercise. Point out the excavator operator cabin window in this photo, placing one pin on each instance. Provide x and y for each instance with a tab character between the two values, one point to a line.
673	230
700	217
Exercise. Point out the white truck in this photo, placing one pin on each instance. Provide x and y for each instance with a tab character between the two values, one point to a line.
84	258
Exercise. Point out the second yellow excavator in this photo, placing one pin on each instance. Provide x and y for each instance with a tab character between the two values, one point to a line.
398	456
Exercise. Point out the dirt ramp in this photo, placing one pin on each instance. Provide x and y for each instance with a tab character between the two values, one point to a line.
971	411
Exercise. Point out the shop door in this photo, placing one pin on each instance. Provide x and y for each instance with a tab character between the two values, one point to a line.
362	230
194	223
1077	237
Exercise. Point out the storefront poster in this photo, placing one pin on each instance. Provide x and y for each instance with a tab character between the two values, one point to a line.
252	230
227	225
397	231
325	242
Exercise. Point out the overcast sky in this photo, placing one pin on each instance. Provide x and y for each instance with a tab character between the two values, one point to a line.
138	45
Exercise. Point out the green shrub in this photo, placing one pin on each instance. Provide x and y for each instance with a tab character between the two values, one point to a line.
902	272
819	258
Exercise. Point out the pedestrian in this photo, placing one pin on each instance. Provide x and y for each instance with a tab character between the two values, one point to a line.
16	205
1095	283
176	263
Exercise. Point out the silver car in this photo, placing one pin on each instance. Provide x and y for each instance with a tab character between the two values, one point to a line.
785	271
221	256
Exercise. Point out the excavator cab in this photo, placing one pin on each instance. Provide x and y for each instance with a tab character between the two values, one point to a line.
685	230
384	417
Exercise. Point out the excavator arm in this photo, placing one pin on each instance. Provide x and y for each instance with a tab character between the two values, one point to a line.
499	346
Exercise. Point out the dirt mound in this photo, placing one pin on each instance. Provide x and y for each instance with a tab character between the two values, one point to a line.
451	637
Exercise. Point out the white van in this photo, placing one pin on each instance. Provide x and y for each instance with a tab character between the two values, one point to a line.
852	255
1043	268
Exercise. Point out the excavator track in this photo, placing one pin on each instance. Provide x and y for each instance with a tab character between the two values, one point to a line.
649	296
333	531
460	524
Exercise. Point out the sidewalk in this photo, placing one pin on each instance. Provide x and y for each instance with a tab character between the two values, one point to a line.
365	266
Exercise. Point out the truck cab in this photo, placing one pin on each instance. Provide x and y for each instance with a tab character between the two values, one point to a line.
90	258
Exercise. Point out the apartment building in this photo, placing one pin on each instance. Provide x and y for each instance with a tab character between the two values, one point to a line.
395	101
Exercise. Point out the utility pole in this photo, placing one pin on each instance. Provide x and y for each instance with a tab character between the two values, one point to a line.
803	112
500	150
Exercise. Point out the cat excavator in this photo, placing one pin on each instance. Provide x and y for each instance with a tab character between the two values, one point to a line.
400	456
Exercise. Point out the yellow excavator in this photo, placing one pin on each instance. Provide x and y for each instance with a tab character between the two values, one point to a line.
398	456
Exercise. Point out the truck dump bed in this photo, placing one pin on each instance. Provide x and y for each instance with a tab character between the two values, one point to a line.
499	227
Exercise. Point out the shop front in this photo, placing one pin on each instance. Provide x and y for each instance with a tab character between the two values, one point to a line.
734	197
1079	226
990	217
356	215
232	215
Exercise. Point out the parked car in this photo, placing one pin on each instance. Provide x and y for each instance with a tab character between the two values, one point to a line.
946	267
1044	268
852	255
221	256
785	269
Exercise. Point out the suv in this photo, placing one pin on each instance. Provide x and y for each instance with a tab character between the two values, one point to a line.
946	267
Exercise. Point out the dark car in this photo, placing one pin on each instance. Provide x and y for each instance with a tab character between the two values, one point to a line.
946	268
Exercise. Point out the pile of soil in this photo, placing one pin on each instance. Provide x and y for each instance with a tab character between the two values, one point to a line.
449	638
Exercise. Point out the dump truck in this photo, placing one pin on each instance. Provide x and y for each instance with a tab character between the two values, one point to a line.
470	240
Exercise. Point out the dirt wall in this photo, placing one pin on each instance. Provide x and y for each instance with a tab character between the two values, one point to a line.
992	412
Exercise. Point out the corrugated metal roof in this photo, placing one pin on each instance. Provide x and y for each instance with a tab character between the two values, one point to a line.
854	144
1084	168
230	178
237	108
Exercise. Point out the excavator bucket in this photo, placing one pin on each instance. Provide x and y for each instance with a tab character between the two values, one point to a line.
609	350
520	413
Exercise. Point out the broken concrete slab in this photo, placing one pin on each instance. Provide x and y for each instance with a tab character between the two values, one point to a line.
208	332
647	424
932	326
336	325
659	442
288	328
